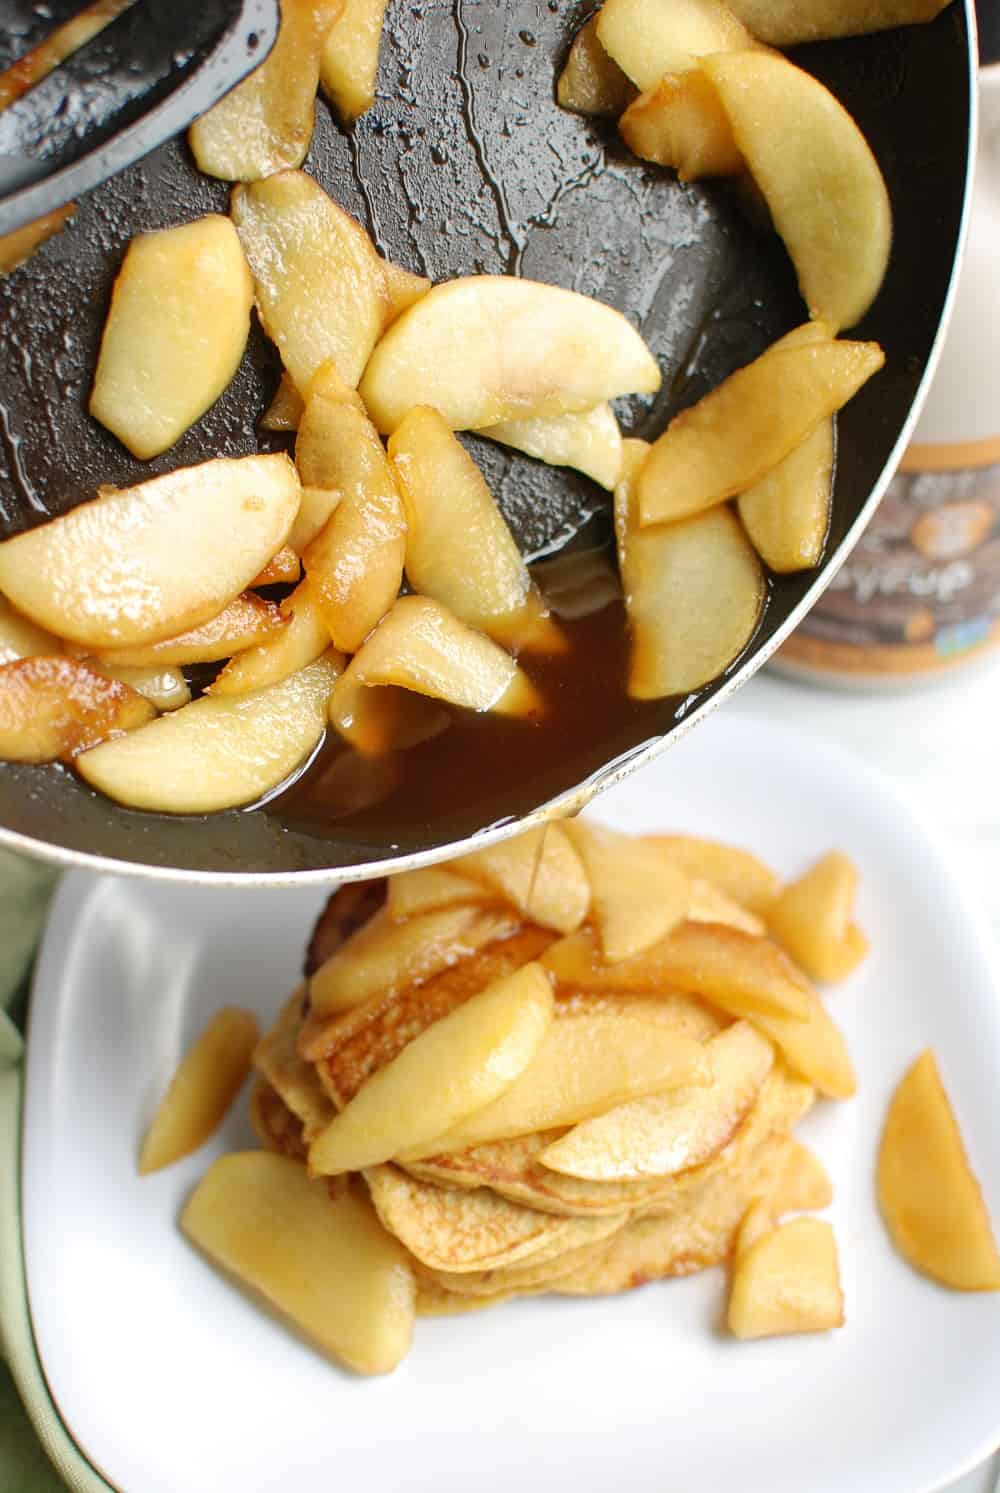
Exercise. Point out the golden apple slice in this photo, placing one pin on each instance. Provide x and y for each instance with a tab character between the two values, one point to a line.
283	569
752	420
679	122
459	550
785	23
403	288
694	593
487	348
319	283
349	59
355	563
804	1182
592	82
175	333
930	1199
285	410
747	976
589	441
22	638
787	512
812	918
379	722
738	972
143	563
430	889
303	638
325	1262
383	956
787	1281
247	621
209	1077
420	646
636	896
316	507
826	194
53	708
17	247
585	1065
758	1220
738	873
538	872
216	753
460	1064
666	1133
164	687
708	905
648	38
265	124
843	960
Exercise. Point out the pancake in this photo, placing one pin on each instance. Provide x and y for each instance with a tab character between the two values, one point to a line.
693	1238
276	1057
535	1276
455	1230
275	1126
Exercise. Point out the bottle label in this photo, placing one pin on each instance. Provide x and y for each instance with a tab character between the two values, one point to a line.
920	592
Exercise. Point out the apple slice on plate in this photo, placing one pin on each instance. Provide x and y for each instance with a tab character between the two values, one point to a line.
320	285
537	872
175	334
216	753
486	348
823	186
787	1280
143	563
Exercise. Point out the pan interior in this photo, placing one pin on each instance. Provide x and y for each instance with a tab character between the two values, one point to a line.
465	165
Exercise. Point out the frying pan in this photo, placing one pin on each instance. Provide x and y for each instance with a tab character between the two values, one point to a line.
467	164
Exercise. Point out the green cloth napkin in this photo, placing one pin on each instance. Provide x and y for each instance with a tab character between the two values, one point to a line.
33	1440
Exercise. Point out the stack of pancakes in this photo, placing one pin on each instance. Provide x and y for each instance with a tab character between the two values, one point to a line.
493	1220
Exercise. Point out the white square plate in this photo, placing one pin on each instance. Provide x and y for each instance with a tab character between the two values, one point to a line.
170	1379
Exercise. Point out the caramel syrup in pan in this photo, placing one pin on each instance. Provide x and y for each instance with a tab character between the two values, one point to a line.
483	768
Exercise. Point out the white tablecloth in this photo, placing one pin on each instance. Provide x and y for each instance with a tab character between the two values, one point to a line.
941	744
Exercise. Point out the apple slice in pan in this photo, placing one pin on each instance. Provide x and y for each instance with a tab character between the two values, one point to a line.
459	550
266	122
588	440
592	82
53	708
320	285
786	23
143	563
302	639
648	38
349	59
487	348
694	592
355	563
787	513
247	621
421	647
217	752
679	122
175	333
826	194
